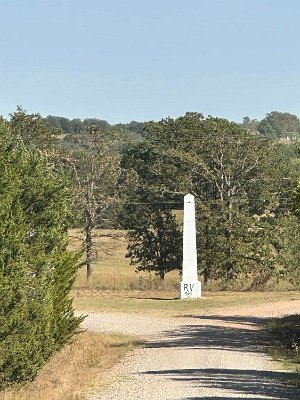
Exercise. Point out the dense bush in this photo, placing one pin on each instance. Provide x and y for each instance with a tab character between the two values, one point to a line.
286	334
36	271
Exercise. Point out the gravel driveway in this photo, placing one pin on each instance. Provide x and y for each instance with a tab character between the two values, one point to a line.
207	357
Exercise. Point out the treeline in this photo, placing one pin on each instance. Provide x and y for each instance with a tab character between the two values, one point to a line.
243	198
281	126
78	125
276	125
246	185
243	176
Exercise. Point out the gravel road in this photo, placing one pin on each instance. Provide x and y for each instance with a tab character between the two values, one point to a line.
214	356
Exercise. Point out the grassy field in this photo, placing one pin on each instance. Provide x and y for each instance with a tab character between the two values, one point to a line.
112	270
116	287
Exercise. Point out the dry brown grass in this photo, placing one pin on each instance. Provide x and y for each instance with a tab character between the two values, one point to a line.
75	370
112	270
116	287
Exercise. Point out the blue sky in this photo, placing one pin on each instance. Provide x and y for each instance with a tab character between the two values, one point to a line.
124	60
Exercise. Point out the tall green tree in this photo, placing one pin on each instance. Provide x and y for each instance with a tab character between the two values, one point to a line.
32	130
296	200
280	125
36	270
250	124
240	184
91	162
154	235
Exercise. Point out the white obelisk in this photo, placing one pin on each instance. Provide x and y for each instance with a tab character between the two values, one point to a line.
190	285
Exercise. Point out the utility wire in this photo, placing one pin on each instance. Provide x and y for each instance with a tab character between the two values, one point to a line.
188	139
197	200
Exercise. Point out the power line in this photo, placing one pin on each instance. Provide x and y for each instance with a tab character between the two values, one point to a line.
188	139
217	201
149	138
252	180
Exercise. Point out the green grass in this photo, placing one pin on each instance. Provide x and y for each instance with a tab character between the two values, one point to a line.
166	303
285	336
285	332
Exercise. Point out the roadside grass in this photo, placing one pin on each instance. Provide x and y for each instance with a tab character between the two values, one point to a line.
166	303
76	370
285	337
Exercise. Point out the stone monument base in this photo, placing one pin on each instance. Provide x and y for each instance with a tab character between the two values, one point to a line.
190	290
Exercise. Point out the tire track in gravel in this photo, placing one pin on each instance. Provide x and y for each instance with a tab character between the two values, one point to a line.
209	357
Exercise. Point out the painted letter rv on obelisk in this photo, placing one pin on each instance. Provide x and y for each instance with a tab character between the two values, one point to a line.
190	286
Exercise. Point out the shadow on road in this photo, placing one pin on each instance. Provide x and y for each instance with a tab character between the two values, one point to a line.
243	382
235	338
245	320
154	298
221	398
234	333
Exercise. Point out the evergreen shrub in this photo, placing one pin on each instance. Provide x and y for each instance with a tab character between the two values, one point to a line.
36	270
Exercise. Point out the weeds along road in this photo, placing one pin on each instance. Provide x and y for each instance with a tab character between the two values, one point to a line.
208	357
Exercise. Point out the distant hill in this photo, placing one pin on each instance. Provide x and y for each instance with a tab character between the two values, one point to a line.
78	125
72	131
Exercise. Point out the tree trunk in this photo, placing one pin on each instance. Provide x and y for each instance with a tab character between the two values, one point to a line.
89	246
162	274
230	252
207	267
161	258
